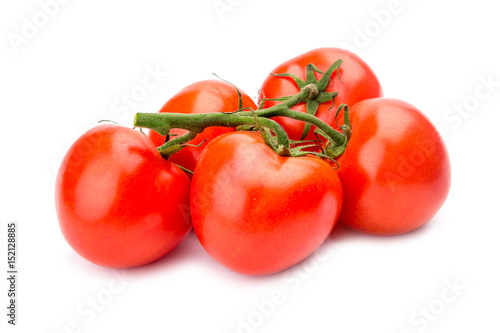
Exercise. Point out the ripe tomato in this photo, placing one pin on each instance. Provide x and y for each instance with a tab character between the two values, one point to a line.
201	97
257	212
395	171
119	203
358	82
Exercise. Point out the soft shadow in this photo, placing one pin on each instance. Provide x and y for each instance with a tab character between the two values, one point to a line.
342	233
189	249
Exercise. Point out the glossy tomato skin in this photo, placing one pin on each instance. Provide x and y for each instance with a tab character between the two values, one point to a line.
207	96
395	171
256	212
358	82
119	203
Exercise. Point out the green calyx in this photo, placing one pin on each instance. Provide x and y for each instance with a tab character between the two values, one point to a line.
320	96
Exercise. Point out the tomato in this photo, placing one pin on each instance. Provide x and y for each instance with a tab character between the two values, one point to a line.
257	212
119	203
358	82
395	171
201	97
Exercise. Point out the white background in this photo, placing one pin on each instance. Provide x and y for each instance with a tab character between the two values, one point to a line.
71	72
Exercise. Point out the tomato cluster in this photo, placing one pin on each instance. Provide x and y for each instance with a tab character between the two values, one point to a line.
257	204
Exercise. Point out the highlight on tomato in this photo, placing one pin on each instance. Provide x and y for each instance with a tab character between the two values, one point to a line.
207	96
118	201
395	170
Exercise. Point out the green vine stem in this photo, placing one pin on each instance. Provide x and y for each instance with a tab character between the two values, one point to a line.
196	123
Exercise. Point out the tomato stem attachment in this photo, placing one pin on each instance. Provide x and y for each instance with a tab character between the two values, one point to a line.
318	95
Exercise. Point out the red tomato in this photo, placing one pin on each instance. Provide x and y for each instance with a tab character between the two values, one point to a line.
257	212
358	82
119	203
395	171
201	97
